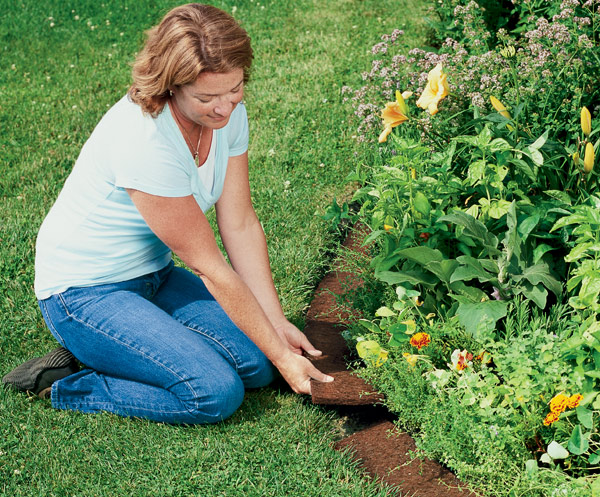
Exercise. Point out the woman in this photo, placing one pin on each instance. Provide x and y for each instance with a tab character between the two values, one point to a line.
160	342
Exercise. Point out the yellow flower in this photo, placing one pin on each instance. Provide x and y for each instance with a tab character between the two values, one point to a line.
575	157
436	90
500	107
552	417
586	121
588	158
387	227
420	340
411	358
393	114
559	403
574	400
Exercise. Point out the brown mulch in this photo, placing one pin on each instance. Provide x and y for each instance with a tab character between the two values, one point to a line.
378	446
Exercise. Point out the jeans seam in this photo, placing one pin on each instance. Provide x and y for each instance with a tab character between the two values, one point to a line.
51	323
206	335
165	367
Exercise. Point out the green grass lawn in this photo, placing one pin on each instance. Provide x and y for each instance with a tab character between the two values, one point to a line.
62	65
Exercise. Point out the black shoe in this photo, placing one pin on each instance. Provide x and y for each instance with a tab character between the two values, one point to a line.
39	373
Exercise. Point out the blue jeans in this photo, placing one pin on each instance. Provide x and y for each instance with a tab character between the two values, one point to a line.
157	347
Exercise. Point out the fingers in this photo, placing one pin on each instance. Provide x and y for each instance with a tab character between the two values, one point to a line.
315	374
308	347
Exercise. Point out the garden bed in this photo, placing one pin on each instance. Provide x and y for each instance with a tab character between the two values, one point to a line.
380	448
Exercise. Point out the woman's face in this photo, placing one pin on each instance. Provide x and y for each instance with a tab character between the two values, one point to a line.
210	100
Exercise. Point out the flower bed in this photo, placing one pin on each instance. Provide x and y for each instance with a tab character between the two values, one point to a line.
480	296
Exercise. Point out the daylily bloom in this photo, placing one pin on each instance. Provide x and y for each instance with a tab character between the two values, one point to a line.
586	121
436	89
393	114
588	159
500	107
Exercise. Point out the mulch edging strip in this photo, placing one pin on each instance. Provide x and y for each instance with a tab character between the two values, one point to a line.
381	450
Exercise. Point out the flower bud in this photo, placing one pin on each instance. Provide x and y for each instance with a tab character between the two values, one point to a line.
588	159
499	106
586	121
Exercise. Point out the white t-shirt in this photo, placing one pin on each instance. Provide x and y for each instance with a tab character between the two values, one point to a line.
94	234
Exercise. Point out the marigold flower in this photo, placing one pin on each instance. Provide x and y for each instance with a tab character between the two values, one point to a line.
500	107
588	158
559	403
420	340
586	121
552	417
574	400
393	114
436	89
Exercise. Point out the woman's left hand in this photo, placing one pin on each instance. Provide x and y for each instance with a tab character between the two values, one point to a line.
295	339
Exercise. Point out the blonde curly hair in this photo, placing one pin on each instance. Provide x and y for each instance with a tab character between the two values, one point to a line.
190	39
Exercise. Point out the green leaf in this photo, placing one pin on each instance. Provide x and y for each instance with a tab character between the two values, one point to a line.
421	255
593	460
595	487
499	145
539	252
372	327
540	273
481	316
559	195
469	269
585	417
498	208
421	204
538	294
414	277
442	269
557	451
578	443
524	168
384	312
473	228
539	143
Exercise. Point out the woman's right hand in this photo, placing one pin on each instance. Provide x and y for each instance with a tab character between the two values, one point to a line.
297	370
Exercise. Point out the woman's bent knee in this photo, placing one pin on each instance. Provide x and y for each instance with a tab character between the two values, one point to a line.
217	401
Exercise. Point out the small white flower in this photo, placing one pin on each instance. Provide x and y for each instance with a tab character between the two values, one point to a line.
77	18
286	184
51	24
271	152
74	107
234	9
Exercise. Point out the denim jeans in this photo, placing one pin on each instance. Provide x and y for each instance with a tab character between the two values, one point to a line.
157	347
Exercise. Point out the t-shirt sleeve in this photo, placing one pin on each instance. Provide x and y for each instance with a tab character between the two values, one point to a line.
155	173
238	131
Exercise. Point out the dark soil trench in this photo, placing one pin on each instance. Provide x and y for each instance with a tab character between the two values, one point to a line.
372	438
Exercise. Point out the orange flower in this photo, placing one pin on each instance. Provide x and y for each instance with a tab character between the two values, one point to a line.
574	400
552	417
436	89
420	340
393	114
559	403
461	359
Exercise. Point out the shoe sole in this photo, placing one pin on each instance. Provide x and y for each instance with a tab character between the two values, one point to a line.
40	372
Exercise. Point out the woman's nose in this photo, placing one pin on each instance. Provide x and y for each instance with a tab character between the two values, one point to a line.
224	107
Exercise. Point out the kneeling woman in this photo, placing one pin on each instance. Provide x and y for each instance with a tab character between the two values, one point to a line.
158	341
